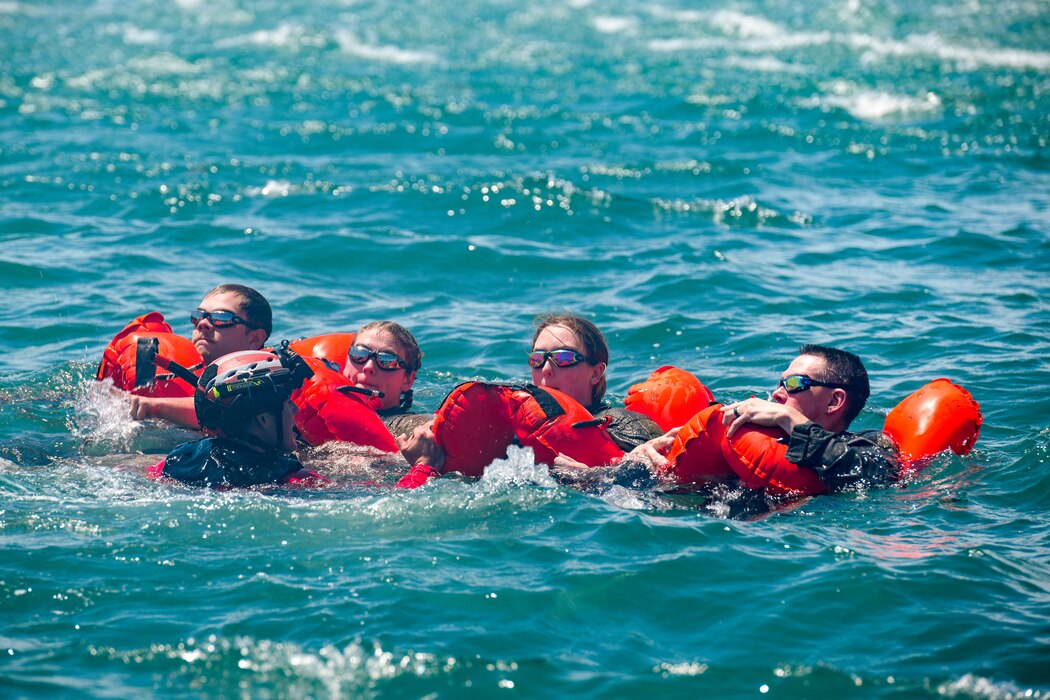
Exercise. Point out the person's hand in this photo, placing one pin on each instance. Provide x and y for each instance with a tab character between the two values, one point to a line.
421	447
564	461
142	407
760	412
568	470
653	452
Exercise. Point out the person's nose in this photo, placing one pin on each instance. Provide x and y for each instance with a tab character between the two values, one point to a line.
780	394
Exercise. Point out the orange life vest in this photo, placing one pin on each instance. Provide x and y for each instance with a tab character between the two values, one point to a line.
328	411
478	421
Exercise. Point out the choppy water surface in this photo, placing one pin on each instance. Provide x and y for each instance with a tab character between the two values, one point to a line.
712	183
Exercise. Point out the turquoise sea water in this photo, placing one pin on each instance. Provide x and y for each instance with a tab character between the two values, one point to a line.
712	183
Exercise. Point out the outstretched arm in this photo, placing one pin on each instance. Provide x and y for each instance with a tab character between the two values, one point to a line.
179	411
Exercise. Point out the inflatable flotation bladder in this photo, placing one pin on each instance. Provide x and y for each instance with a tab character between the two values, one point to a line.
329	409
759	459
670	396
936	417
702	453
473	427
696	455
478	421
332	347
147	343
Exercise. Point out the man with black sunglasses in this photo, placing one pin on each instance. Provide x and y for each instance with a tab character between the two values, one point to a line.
816	399
230	318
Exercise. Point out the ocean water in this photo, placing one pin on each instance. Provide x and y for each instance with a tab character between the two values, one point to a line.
712	183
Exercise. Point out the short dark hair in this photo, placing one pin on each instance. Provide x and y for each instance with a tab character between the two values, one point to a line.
594	345
843	368
256	308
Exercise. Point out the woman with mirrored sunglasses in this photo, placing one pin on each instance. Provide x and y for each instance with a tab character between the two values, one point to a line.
385	357
569	353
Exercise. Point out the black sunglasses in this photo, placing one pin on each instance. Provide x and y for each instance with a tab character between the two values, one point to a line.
562	357
220	319
386	361
800	382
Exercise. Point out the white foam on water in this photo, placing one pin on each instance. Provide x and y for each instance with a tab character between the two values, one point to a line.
284	35
607	24
102	417
874	105
518	469
351	44
750	33
135	36
349	671
971	686
168	64
764	64
740	24
968	58
272	189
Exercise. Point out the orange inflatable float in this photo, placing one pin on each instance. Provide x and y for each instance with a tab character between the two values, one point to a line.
332	347
331	408
670	396
147	343
938	416
478	421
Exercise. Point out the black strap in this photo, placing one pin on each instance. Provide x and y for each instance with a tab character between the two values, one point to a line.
351	389
145	352
148	359
182	373
551	407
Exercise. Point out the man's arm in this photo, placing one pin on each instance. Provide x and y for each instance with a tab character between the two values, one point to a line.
842	460
179	411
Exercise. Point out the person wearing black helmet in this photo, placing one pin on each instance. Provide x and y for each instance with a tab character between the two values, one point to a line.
243	404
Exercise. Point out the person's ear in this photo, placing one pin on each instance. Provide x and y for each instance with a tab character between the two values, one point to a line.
406	383
597	372
263	420
256	338
837	403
